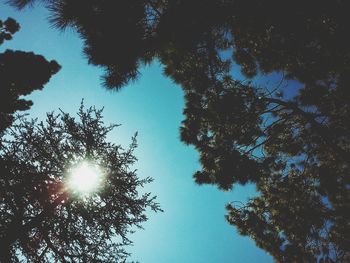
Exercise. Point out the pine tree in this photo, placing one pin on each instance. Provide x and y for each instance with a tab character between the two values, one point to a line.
292	142
43	216
20	74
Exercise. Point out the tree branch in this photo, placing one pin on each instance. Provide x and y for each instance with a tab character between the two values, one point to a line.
323	131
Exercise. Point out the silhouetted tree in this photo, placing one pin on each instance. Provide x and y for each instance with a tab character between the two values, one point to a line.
292	142
42	218
7	29
300	167
20	74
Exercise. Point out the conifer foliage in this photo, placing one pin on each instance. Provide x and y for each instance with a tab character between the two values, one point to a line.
42	218
292	142
20	74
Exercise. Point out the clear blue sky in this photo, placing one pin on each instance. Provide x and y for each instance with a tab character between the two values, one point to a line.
192	228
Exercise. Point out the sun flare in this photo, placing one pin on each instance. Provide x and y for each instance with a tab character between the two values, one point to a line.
85	178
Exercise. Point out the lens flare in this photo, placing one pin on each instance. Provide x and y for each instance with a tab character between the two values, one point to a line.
85	178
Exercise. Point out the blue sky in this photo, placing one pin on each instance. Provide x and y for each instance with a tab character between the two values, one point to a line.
192	227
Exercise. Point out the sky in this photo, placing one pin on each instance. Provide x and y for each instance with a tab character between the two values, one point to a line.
192	227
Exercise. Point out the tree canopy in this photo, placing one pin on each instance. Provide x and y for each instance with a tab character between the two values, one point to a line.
43	218
293	143
7	29
20	74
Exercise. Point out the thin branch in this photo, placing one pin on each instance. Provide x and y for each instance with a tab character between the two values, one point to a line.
323	131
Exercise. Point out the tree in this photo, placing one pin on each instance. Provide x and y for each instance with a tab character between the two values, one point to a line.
20	74
292	142
7	29
44	218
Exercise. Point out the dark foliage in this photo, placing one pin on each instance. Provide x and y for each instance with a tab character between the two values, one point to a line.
293	143
7	29
20	74
42	219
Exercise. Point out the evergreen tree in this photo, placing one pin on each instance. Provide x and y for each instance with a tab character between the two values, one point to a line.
293	143
7	29
43	216
20	74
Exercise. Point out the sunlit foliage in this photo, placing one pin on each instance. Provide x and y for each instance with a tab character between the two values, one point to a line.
292	142
43	220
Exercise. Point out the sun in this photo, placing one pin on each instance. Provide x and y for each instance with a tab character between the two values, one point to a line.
84	178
